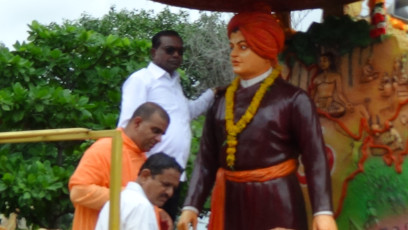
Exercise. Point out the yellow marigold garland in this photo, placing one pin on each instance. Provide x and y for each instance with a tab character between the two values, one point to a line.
234	129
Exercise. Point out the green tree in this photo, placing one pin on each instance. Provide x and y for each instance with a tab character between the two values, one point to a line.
70	75
66	76
206	59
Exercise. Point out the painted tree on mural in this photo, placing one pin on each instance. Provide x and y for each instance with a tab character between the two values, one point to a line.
339	35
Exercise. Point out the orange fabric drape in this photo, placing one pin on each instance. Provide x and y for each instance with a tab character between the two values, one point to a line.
256	175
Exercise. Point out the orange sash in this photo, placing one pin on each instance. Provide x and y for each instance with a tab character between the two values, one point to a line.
256	175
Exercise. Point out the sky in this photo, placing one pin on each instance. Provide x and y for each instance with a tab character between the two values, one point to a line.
16	15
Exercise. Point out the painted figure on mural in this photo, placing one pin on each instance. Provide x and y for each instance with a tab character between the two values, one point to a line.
387	85
389	137
400	78
327	89
397	70
368	72
252	138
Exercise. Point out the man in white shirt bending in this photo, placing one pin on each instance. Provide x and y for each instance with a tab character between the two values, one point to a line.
158	177
159	82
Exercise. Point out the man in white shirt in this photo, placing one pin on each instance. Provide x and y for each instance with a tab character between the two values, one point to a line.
158	177
159	82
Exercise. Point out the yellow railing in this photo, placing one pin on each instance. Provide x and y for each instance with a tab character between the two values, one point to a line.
81	134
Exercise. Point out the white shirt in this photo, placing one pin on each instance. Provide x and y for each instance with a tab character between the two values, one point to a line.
154	84
136	211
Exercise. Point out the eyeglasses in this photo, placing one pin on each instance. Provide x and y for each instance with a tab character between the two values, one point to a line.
170	50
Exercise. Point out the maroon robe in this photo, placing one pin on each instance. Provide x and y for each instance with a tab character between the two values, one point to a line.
285	126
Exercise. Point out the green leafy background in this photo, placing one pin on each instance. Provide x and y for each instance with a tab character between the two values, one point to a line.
70	75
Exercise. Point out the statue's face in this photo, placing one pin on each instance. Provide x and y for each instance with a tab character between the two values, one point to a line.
246	63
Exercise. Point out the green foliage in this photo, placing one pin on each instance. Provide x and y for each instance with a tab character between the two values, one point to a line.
337	34
137	24
207	54
70	75
206	59
32	188
42	107
341	33
66	76
385	194
302	47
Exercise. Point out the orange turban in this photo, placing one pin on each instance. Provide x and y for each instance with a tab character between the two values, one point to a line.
262	33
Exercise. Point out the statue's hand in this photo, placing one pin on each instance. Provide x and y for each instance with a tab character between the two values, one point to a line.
187	217
324	222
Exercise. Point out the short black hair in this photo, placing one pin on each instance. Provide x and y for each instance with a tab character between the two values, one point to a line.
147	109
158	162
156	38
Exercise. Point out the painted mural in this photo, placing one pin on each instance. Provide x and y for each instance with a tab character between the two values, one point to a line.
359	83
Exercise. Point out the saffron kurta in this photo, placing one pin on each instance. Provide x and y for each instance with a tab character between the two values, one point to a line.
92	177
284	127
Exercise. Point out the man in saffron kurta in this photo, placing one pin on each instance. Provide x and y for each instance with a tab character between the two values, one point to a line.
253	135
89	185
157	180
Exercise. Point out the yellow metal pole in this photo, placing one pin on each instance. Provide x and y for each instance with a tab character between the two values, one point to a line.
45	132
81	134
35	136
115	182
